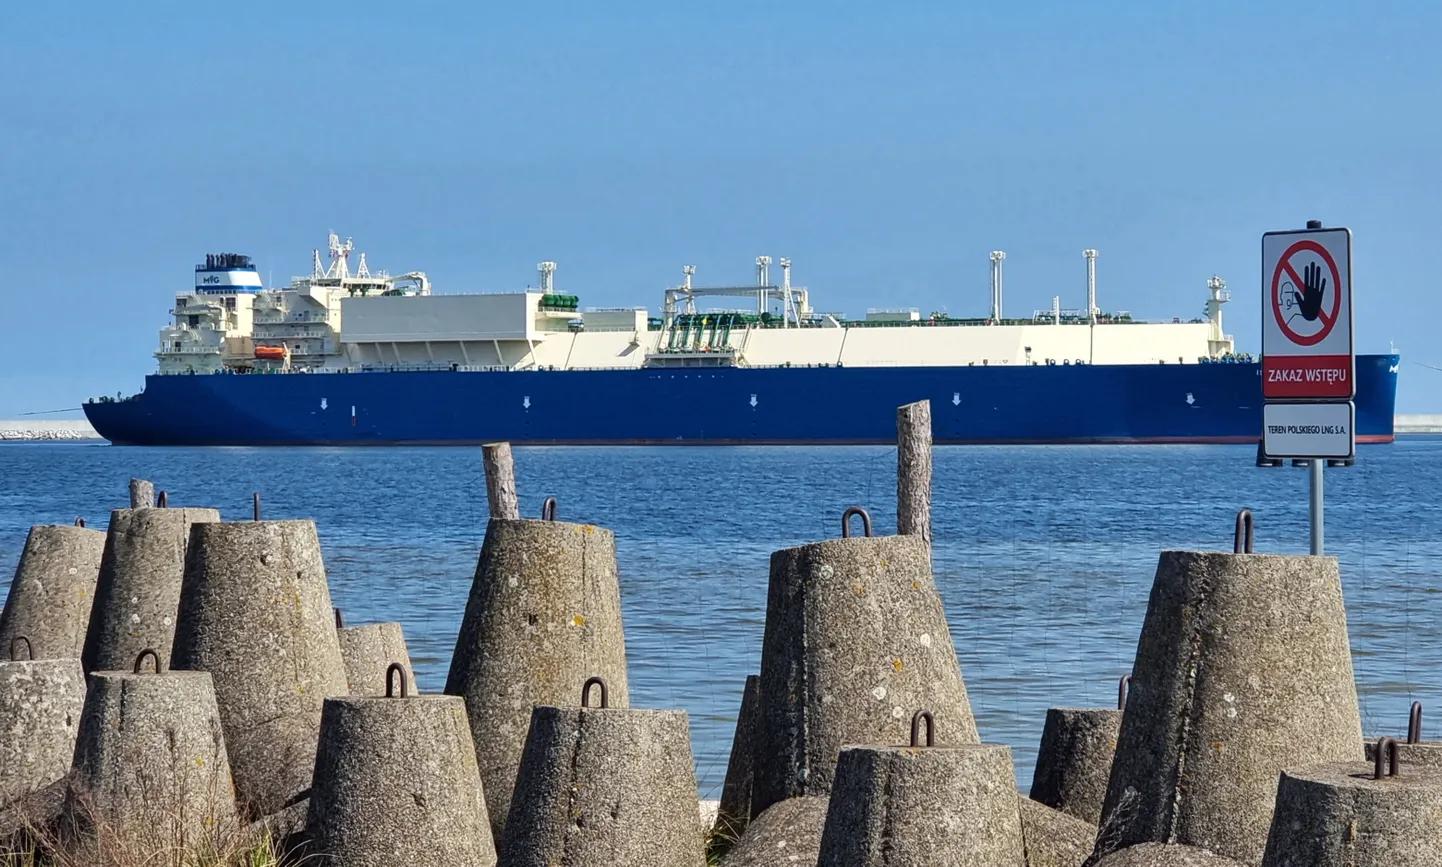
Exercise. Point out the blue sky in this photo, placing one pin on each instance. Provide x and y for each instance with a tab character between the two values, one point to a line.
885	148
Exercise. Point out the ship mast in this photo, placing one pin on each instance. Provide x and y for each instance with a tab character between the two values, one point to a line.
997	257
1091	257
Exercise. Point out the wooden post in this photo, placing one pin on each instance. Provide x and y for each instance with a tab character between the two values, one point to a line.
913	470
142	494
501	481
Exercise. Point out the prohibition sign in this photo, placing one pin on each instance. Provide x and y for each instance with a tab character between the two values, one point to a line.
1286	269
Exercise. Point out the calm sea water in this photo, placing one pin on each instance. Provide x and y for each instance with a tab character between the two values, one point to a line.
1044	555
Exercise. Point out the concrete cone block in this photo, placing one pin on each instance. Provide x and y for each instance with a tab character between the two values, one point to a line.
150	761
53	589
1413	750
918	806
1053	838
734	810
1243	668
40	704
1164	855
396	782
783	835
368	650
544	614
855	637
1357	815
601	785
138	594
1075	760
256	613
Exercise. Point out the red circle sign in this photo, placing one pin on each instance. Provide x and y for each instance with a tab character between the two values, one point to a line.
1286	269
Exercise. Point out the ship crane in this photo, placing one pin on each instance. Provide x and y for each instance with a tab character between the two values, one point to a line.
795	304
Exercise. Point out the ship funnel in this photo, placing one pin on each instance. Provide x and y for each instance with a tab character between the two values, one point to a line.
997	258
548	277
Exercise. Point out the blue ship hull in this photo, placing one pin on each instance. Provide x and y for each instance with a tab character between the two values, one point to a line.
1191	403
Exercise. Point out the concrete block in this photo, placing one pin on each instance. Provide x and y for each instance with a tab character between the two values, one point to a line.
783	835
1075	760
1357	815
735	808
52	591
1164	855
256	613
1053	838
368	650
544	614
40	704
855	640
1413	750
605	786
1243	668
919	806
142	494
137	597
396	782
150	762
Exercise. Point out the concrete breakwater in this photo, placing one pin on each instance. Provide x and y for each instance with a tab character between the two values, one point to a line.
27	429
856	745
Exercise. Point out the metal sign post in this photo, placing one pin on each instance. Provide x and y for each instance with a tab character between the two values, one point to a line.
1308	353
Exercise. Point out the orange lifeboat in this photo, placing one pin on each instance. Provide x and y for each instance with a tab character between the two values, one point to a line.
276	353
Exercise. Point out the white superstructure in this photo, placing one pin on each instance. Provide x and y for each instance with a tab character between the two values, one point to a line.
334	320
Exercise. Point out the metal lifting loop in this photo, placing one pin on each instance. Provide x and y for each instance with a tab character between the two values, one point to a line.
29	649
548	509
586	691
1122	689
1414	724
395	668
255	506
1386	753
140	659
1244	536
846	521
162	500
80	522
916	720
339	620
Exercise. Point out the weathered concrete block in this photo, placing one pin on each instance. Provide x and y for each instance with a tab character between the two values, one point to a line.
396	782
137	597
544	614
368	650
142	494
1053	838
735	808
922	807
1425	754
255	612
783	835
150	763
40	704
1163	855
52	591
605	786
1075	760
855	639
1243	668
1340	815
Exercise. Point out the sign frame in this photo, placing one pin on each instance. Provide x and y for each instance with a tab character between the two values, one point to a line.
1272	446
1289	240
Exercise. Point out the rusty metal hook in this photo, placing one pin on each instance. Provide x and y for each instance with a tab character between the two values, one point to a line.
916	721
397	669
1244	536
1387	751
1414	724
339	621
1122	689
586	691
846	517
29	648
80	522
162	500
140	659
255	506
548	509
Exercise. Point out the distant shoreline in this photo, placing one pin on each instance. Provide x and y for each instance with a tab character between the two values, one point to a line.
29	430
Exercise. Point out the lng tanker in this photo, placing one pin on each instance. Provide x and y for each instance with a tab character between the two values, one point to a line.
351	357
